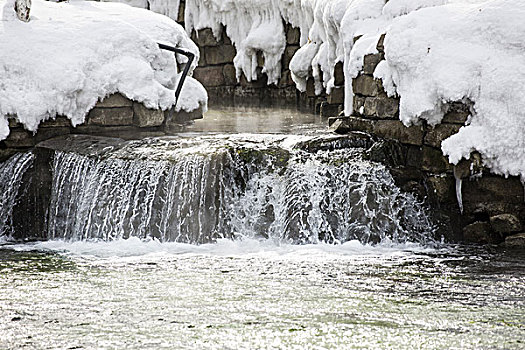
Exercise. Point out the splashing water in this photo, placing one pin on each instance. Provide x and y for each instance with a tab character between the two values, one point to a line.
11	173
200	189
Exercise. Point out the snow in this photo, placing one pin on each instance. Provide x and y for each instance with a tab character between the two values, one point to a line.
70	55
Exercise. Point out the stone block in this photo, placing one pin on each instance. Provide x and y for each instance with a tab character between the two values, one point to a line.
371	61
260	82
230	75
59	121
443	187
330	110
182	117
381	43
505	224
48	133
145	117
202	58
219	54
209	76
414	156
434	161
359	105
360	124
286	79
339	74
180	15
395	130
455	117
479	232
204	37
382	107
310	87
440	132
490	188
516	241
110	116
469	167
366	85
337	96
293	35
289	52
260	59
113	101
20	139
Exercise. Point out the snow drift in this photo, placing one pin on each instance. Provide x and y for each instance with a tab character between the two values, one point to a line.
70	55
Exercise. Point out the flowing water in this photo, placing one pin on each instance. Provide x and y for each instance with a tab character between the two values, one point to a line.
252	229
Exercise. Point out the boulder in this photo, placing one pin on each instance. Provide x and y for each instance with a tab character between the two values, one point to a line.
505	224
516	241
479	232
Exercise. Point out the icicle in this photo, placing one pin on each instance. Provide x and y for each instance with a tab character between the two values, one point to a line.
522	178
459	197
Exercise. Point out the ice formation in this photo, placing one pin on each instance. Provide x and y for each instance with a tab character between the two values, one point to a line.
72	54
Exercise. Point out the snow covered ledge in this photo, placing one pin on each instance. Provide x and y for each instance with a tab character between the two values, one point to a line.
70	56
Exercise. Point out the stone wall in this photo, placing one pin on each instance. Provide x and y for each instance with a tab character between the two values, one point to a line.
493	206
115	116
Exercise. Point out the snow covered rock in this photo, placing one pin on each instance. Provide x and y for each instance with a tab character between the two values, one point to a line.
70	55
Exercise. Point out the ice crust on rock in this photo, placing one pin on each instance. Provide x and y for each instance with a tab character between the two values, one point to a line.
72	54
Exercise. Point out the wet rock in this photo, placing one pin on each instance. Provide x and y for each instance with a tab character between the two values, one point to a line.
389	153
339	125
516	241
443	187
204	37
93	146
366	85
396	130
115	100
330	110
457	113
440	132
479	232
230	74
145	117
351	140
289	52
20	139
59	121
505	224
293	35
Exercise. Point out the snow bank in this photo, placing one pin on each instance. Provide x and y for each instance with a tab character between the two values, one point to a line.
70	55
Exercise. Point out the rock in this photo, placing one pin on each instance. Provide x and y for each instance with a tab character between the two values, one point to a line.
209	76
339	125
359	104
230	75
366	85
180	15
339	75
381	107
19	139
219	54
337	95
115	100
330	110
286	79
396	130
479	232
515	241
389	153
440	132
204	37
505	224
289	52
492	189
310	87
471	167
360	124
110	116
58	121
371	61
293	35
457	113
381	43
434	161
145	117
443	187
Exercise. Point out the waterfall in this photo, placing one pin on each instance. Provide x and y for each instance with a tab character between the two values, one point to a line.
196	190
11	173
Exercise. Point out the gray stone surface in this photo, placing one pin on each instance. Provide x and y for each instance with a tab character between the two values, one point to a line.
469	167
337	96
505	224
204	37
435	135
516	241
111	116
145	117
434	161
209	76
381	43
382	107
219	54
115	100
330	110
396	130
443	187
229	73
371	61
293	35
366	85
479	232
289	52
339	75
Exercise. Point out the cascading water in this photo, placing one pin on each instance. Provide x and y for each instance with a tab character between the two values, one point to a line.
11	173
198	189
